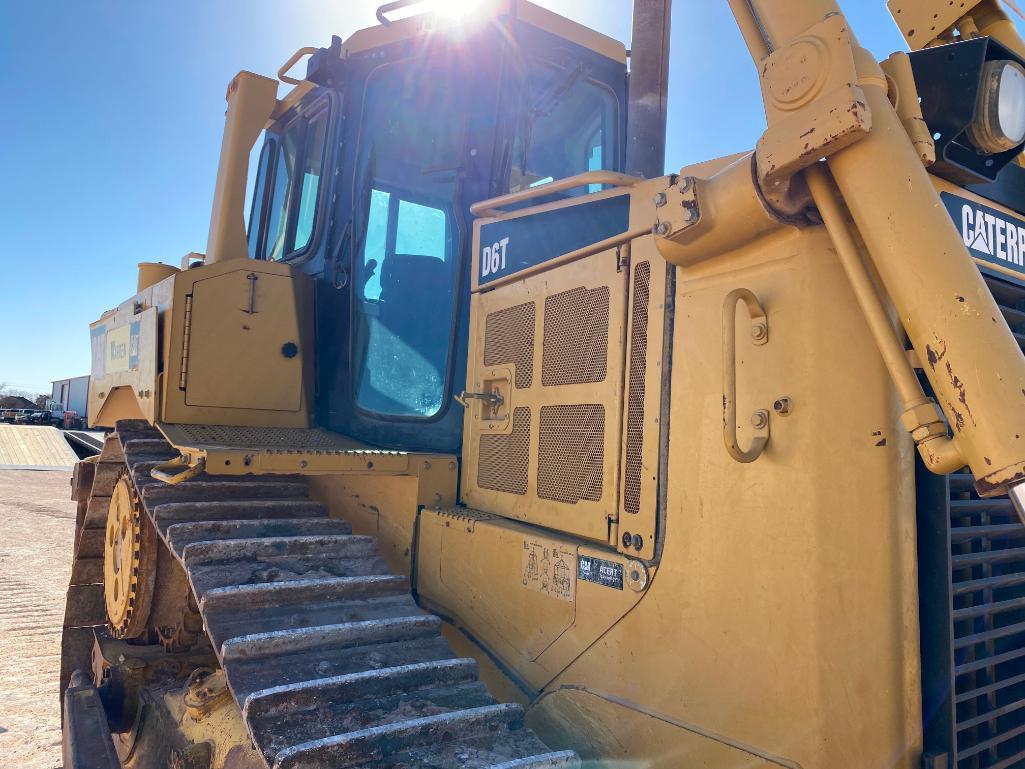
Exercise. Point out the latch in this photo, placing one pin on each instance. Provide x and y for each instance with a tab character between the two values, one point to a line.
493	396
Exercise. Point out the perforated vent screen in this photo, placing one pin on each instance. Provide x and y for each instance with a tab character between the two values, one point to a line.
576	337
509	338
635	394
571	453
504	459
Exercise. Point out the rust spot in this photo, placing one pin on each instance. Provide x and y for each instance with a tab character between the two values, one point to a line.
935	357
958	417
962	396
960	298
881	442
988	460
405	552
809	132
877	432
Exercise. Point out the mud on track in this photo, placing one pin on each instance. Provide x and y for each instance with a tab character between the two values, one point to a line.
37	525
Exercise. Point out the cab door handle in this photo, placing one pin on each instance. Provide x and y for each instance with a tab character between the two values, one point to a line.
759	336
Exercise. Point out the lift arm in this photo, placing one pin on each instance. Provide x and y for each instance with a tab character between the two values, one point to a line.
825	96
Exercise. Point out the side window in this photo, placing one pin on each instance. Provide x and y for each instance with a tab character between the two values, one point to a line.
259	199
313	158
280	196
293	193
569	126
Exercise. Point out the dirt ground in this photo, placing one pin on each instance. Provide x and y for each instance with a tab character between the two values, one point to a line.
37	523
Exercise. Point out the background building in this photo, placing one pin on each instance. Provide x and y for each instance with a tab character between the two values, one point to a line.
72	394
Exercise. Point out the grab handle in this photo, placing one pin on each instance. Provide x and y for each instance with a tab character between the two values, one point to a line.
282	73
494	206
177	471
759	336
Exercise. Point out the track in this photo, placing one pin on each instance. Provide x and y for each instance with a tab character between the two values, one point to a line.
324	649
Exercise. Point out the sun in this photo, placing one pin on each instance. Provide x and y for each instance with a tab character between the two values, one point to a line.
457	10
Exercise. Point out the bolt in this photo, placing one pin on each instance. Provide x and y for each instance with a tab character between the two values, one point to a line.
759	420
782	406
660	200
627	539
427	465
323	667
759	331
451	465
638	541
661	228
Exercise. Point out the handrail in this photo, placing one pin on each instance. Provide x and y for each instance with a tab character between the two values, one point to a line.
493	206
759	336
393	6
284	78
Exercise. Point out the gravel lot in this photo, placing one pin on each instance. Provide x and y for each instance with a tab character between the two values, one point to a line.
37	525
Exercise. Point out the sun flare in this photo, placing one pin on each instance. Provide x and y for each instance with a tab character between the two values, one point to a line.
457	10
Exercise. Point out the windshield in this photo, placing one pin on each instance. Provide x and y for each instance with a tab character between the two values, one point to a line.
568	128
406	264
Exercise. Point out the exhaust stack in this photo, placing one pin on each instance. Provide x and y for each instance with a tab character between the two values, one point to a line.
649	89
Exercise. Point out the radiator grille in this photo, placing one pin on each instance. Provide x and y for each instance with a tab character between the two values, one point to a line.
504	459
576	337
979	628
635	393
571	453
509	338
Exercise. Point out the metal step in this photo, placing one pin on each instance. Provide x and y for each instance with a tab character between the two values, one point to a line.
323	647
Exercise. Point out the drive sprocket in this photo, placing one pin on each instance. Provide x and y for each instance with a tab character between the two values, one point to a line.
129	562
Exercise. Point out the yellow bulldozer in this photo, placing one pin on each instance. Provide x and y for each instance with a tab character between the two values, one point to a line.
486	444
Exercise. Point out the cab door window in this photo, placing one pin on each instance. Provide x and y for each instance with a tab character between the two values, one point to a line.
406	265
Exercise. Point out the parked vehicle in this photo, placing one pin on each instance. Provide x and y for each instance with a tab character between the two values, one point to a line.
10	415
40	418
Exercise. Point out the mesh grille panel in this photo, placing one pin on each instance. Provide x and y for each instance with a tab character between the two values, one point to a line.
635	394
503	461
571	453
509	338
576	337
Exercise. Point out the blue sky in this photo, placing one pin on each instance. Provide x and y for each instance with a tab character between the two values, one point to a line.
113	114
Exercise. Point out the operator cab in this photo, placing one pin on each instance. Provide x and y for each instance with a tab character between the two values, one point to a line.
366	183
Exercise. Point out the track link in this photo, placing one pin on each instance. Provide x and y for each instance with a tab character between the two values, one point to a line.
324	649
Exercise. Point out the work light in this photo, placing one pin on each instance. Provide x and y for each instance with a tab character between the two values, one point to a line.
999	123
973	100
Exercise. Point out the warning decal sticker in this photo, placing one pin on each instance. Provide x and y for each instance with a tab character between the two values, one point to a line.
549	568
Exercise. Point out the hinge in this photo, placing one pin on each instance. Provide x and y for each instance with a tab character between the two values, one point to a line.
622	258
186	334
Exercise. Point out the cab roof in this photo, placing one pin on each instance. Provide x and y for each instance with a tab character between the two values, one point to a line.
415	25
